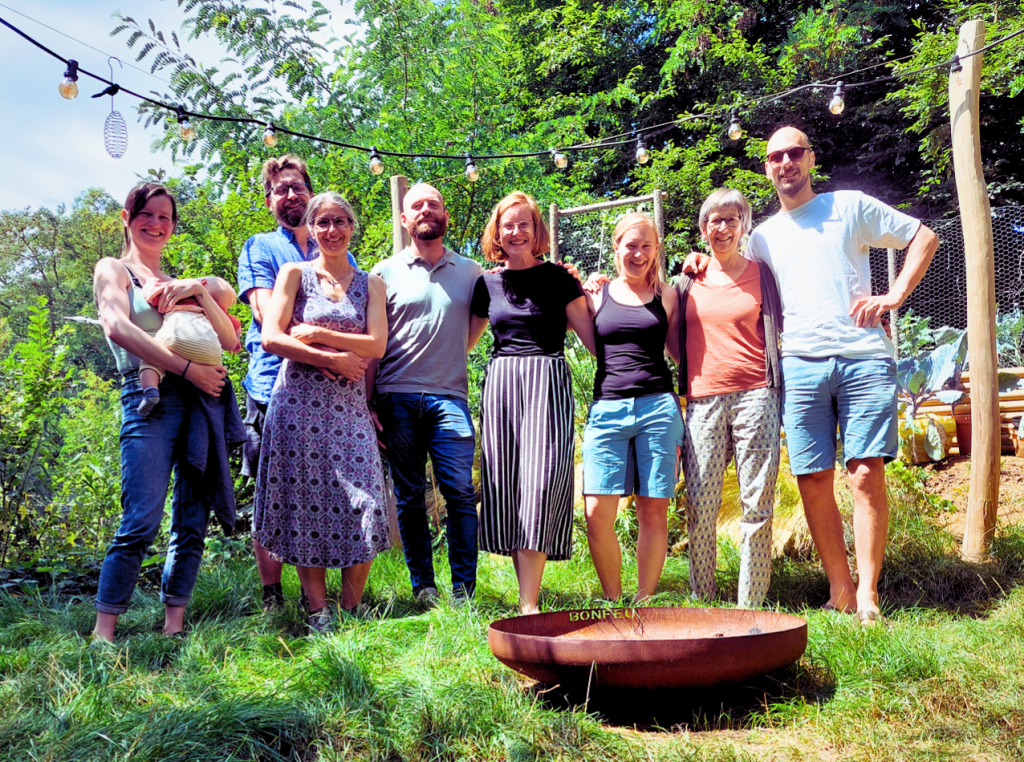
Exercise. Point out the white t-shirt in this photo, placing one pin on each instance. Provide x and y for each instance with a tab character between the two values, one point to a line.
818	253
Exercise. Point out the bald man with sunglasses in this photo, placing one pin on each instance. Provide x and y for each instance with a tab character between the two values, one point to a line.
837	370
836	367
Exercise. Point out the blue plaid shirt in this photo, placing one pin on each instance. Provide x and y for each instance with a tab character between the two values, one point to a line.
260	261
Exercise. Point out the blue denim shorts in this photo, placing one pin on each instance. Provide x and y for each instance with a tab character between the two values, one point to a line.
629	446
857	396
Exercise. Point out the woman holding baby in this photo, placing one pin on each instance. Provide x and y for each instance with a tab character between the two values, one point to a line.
154	444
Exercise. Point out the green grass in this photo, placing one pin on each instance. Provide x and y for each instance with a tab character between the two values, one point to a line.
944	679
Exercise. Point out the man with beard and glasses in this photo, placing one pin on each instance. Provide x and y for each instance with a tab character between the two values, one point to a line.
287	189
836	367
422	390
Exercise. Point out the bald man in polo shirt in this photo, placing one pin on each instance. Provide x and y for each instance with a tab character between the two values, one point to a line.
421	392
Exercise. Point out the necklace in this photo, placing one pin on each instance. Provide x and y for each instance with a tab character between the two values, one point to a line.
331	279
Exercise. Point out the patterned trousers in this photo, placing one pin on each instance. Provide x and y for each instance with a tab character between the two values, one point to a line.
745	424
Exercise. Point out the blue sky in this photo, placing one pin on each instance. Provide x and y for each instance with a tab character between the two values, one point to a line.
52	148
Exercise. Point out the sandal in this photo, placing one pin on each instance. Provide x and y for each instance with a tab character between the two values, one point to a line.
831	609
869	617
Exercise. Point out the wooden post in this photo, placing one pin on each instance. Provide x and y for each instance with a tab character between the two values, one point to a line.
976	218
894	315
399	235
659	223
553	232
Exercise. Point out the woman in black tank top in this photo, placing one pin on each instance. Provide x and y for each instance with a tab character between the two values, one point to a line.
634	432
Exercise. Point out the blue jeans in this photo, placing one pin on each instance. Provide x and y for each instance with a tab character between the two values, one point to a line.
151	446
416	425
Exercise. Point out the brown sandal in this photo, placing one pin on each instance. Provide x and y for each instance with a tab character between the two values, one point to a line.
869	618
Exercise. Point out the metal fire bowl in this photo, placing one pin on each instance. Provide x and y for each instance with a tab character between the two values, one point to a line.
648	647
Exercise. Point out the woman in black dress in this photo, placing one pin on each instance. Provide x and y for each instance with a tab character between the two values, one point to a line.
526	429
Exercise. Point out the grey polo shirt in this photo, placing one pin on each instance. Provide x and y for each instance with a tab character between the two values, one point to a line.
428	323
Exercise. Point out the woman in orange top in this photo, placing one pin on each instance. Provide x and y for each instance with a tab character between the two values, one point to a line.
731	317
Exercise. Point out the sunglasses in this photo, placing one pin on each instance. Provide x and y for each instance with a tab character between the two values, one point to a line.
795	154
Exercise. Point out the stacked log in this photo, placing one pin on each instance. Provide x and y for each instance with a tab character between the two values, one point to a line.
1011	407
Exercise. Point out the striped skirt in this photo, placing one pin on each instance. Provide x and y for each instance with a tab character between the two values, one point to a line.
527	443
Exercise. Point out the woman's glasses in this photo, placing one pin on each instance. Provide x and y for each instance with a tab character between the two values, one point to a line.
729	222
510	228
341	223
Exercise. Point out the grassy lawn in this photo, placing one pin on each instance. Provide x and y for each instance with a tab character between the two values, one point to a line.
943	679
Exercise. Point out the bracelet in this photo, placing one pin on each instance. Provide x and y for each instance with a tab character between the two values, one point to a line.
187	364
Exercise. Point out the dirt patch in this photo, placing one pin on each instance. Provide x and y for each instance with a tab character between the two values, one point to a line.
952	477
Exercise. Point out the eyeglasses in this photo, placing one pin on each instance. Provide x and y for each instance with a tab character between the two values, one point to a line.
795	153
511	227
730	222
299	189
341	223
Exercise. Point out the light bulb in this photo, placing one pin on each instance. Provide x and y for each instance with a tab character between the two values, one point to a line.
735	129
376	165
68	87
185	129
471	171
559	158
270	136
838	102
642	155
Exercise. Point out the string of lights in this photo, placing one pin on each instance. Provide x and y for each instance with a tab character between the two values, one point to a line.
68	88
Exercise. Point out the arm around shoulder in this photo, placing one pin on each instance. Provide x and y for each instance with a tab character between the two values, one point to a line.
670	301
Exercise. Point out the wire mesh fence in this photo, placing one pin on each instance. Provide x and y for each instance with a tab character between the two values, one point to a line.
585	233
940	299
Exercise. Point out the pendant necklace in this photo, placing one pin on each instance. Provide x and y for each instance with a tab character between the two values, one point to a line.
330	279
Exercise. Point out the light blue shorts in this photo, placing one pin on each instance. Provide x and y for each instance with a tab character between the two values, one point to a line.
858	396
629	446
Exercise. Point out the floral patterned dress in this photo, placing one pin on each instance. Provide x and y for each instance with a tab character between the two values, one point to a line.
320	488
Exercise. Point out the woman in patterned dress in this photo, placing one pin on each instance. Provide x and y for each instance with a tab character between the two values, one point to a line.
526	429
320	488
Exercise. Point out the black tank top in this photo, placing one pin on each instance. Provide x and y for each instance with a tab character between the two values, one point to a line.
630	349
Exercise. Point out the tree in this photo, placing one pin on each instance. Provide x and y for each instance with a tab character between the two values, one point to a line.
31	391
50	253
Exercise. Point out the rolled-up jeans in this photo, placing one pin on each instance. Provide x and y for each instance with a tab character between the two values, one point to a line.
416	425
151	448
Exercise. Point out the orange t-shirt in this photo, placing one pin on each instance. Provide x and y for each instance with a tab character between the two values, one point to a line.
725	336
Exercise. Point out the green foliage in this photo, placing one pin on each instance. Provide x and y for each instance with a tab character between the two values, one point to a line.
86	505
32	385
582	367
1009	327
915	334
50	253
909	481
924	99
401	684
